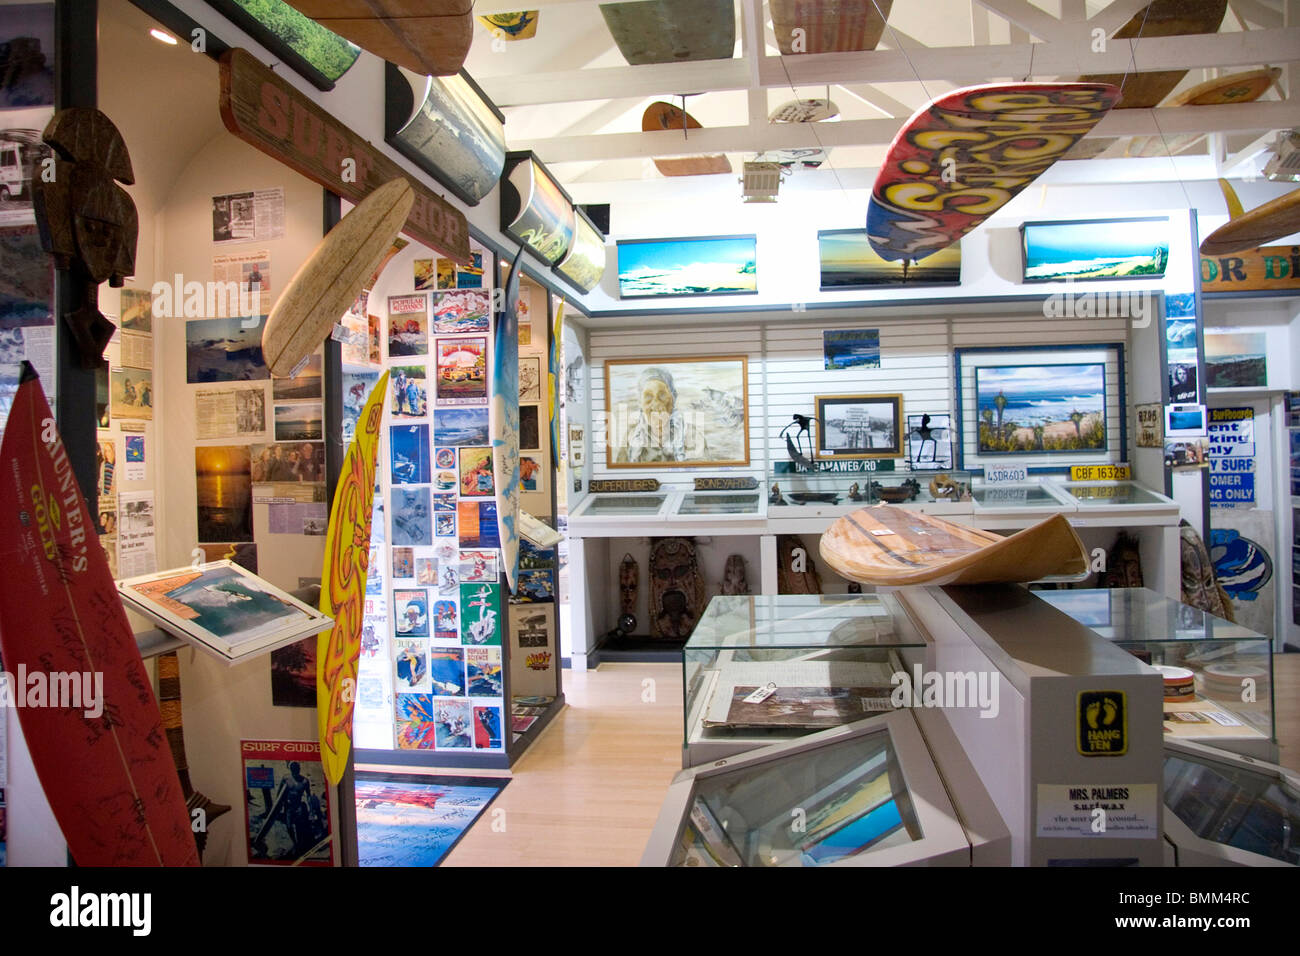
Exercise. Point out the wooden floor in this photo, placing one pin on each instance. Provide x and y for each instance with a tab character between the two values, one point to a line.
588	791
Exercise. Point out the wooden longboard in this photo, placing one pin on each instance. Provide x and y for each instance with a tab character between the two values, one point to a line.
664	116
829	26
963	156
894	547
504	415
1163	18
327	284
1237	88
1274	219
343	587
108	776
521	25
431	37
670	31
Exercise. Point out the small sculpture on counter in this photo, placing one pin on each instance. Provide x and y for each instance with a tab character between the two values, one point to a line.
814	497
855	587
896	494
733	576
855	493
774	496
943	488
794	447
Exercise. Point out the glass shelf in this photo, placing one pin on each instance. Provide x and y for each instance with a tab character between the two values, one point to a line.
1112	494
720	504
797	494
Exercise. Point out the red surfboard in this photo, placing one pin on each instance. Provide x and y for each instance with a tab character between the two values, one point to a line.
963	156
104	762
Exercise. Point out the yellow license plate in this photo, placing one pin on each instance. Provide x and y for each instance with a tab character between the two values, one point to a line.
1100	473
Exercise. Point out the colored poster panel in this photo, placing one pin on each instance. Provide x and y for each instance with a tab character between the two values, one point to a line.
1232	457
287	808
480	615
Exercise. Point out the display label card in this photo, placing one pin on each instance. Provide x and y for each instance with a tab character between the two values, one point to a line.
1102	723
1101	472
994	474
1129	811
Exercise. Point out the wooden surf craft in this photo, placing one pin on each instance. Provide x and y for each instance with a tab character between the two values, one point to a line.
828	26
670	31
169	704
1246	230
1163	18
963	156
1237	88
343	587
105	766
895	547
664	116
431	37
504	416
327	284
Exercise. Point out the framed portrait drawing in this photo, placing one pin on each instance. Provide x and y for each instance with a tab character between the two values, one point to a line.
677	413
859	426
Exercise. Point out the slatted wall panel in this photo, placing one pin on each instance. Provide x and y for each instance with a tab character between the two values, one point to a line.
657	342
1019	331
915	362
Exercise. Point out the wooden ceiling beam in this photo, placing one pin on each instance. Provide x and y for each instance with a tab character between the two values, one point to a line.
1034	20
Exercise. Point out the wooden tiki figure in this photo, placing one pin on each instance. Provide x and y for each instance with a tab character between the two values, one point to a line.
676	588
86	220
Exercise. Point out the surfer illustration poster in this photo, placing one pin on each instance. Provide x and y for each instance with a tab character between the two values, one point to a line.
475	472
681	412
462	310
287	812
445	626
462	372
411	613
447	671
480	610
411	666
483	671
408	325
460	426
409	451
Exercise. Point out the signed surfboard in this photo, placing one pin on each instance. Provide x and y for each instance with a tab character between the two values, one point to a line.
828	26
327	284
670	31
504	415
427	36
343	587
1163	18
1246	230
963	156
665	116
102	757
895	547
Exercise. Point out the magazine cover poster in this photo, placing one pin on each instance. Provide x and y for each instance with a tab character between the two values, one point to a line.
483	671
287	808
480	608
453	723
447	671
445	627
487	728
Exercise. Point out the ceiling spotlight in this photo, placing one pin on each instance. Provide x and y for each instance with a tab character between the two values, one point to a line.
163	36
761	182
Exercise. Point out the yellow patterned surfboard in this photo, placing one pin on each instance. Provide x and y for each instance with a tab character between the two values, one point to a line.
343	587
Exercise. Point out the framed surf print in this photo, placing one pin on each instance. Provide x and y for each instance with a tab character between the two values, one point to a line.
585	262
535	209
859	426
849	262
704	265
1085	249
1053	406
677	413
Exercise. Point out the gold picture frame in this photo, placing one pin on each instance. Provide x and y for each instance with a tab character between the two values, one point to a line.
862	439
677	412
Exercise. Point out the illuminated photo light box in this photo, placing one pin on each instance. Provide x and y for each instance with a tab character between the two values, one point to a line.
707	265
448	127
849	262
585	263
319	54
534	209
1084	250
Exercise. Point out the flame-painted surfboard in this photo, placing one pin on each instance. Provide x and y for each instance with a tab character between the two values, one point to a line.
554	375
963	156
343	587
104	763
504	415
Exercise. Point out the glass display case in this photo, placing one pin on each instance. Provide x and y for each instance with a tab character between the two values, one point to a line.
719	504
1112	494
1015	498
1228	698
630	505
867	794
1224	809
792	494
772	667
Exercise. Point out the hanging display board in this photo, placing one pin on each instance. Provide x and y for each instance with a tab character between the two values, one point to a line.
1232	457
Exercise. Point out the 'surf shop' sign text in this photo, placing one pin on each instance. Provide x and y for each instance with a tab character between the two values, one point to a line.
267	112
1252	270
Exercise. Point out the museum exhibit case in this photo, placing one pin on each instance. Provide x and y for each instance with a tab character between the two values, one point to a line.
1219	675
758	669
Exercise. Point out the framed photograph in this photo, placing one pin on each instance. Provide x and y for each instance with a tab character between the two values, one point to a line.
530	378
708	265
1232	359
849	262
1052	405
223	609
677	413
1038	409
859	426
1086	249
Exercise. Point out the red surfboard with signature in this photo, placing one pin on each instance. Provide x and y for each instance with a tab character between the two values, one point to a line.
95	735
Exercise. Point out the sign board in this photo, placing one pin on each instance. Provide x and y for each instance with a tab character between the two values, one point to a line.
1232	457
1254	270
1151	426
266	111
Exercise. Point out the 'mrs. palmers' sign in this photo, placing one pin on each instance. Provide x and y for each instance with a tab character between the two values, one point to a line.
266	111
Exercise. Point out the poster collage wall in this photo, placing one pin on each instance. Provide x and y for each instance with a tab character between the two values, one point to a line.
435	618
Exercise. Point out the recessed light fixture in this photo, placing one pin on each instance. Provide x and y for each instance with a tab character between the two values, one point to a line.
163	36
